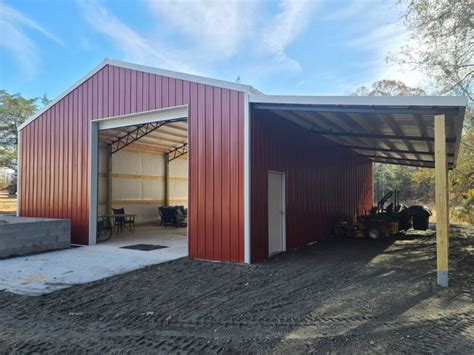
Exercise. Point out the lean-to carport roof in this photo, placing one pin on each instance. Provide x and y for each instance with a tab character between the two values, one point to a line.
386	129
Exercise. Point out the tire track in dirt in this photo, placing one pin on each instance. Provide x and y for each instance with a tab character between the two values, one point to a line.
336	296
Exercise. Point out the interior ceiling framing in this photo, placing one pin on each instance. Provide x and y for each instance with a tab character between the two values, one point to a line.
164	139
402	136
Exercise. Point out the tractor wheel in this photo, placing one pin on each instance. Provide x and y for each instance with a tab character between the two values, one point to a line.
339	231
375	233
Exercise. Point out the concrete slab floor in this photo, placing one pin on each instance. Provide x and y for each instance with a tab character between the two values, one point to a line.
51	271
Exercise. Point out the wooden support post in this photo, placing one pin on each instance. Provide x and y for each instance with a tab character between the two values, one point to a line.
109	179
442	208
166	180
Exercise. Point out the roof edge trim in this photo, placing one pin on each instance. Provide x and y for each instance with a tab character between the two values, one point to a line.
455	101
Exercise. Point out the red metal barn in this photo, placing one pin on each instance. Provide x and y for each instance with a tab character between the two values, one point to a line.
55	151
252	157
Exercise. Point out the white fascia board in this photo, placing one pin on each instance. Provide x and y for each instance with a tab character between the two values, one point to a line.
164	114
19	163
402	101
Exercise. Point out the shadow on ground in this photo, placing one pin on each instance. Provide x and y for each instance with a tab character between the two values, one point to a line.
342	296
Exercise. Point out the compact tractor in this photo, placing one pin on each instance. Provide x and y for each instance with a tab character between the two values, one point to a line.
382	222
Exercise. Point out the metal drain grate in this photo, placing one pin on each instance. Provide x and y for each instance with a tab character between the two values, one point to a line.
144	247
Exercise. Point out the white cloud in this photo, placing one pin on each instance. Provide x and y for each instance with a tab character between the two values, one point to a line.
13	16
387	35
346	12
221	29
288	24
15	41
14	38
380	42
216	28
134	46
203	34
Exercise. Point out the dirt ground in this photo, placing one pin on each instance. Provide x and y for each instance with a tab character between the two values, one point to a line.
346	296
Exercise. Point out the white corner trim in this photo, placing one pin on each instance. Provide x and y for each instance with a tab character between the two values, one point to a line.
18	175
164	114
247	167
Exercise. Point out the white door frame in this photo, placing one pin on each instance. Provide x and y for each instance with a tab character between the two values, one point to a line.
164	114
283	194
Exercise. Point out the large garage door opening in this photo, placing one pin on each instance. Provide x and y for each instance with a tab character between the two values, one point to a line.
142	185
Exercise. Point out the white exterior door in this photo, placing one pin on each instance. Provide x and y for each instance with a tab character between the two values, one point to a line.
276	213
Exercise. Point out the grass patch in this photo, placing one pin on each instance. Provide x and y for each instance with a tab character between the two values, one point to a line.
7	203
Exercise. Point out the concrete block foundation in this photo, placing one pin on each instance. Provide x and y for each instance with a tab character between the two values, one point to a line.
24	235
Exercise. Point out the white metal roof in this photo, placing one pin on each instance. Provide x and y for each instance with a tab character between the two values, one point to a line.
387	129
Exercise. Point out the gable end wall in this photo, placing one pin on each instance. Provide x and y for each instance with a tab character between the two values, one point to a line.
54	154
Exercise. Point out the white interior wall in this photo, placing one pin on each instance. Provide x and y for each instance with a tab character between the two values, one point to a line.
178	182
138	183
102	181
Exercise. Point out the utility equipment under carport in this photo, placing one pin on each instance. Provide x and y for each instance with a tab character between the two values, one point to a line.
412	131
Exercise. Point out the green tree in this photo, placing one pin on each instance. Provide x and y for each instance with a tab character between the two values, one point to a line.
390	177
442	47
388	88
416	185
461	179
14	110
442	43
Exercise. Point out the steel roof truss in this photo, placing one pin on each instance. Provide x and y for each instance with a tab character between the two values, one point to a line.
178	152
137	133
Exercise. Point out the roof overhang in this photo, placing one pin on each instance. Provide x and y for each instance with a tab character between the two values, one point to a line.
387	129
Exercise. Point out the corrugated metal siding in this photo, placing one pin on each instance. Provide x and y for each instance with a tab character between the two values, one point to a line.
324	182
54	149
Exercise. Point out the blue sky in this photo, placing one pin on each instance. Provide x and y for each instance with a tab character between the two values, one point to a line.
312	47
